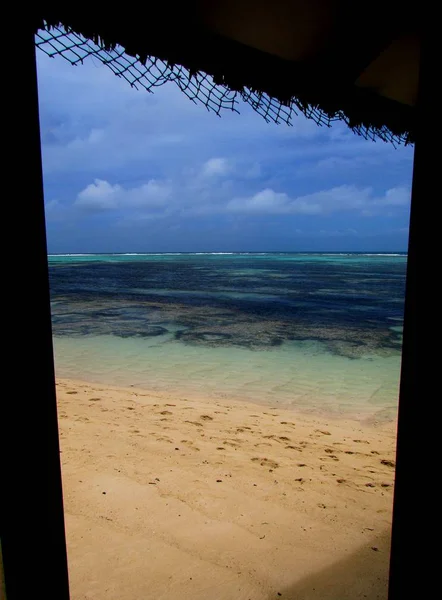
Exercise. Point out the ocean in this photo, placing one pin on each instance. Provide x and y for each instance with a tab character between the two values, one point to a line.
321	333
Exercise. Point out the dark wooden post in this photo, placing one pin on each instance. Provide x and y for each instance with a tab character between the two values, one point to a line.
416	506
32	519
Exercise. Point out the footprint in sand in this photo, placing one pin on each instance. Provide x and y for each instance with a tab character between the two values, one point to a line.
266	462
94	399
388	463
206	418
166	412
190	445
194	423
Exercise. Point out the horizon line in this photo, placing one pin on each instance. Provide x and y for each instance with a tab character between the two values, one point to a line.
128	253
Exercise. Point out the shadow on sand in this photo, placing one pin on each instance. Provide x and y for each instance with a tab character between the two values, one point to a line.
362	575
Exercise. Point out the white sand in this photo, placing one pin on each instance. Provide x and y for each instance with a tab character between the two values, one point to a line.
181	498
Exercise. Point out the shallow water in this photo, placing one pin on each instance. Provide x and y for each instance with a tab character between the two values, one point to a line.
317	332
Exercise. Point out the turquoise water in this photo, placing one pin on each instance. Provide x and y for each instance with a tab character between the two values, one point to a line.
319	332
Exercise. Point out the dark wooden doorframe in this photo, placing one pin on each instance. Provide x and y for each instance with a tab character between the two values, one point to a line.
410	577
32	519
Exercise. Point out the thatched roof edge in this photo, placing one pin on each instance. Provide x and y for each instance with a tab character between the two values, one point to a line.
243	68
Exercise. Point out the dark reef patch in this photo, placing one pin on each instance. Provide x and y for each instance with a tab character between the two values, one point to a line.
349	306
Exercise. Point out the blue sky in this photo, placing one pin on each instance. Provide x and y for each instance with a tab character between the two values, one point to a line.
128	171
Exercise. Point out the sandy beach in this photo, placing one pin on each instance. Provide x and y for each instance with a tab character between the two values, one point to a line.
186	498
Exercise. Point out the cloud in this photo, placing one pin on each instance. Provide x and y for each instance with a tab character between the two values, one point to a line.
99	195
215	167
103	196
399	196
337	199
184	196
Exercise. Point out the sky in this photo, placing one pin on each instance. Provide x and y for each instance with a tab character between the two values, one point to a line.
129	171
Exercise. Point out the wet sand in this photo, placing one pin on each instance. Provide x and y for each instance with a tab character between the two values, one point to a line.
185	498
